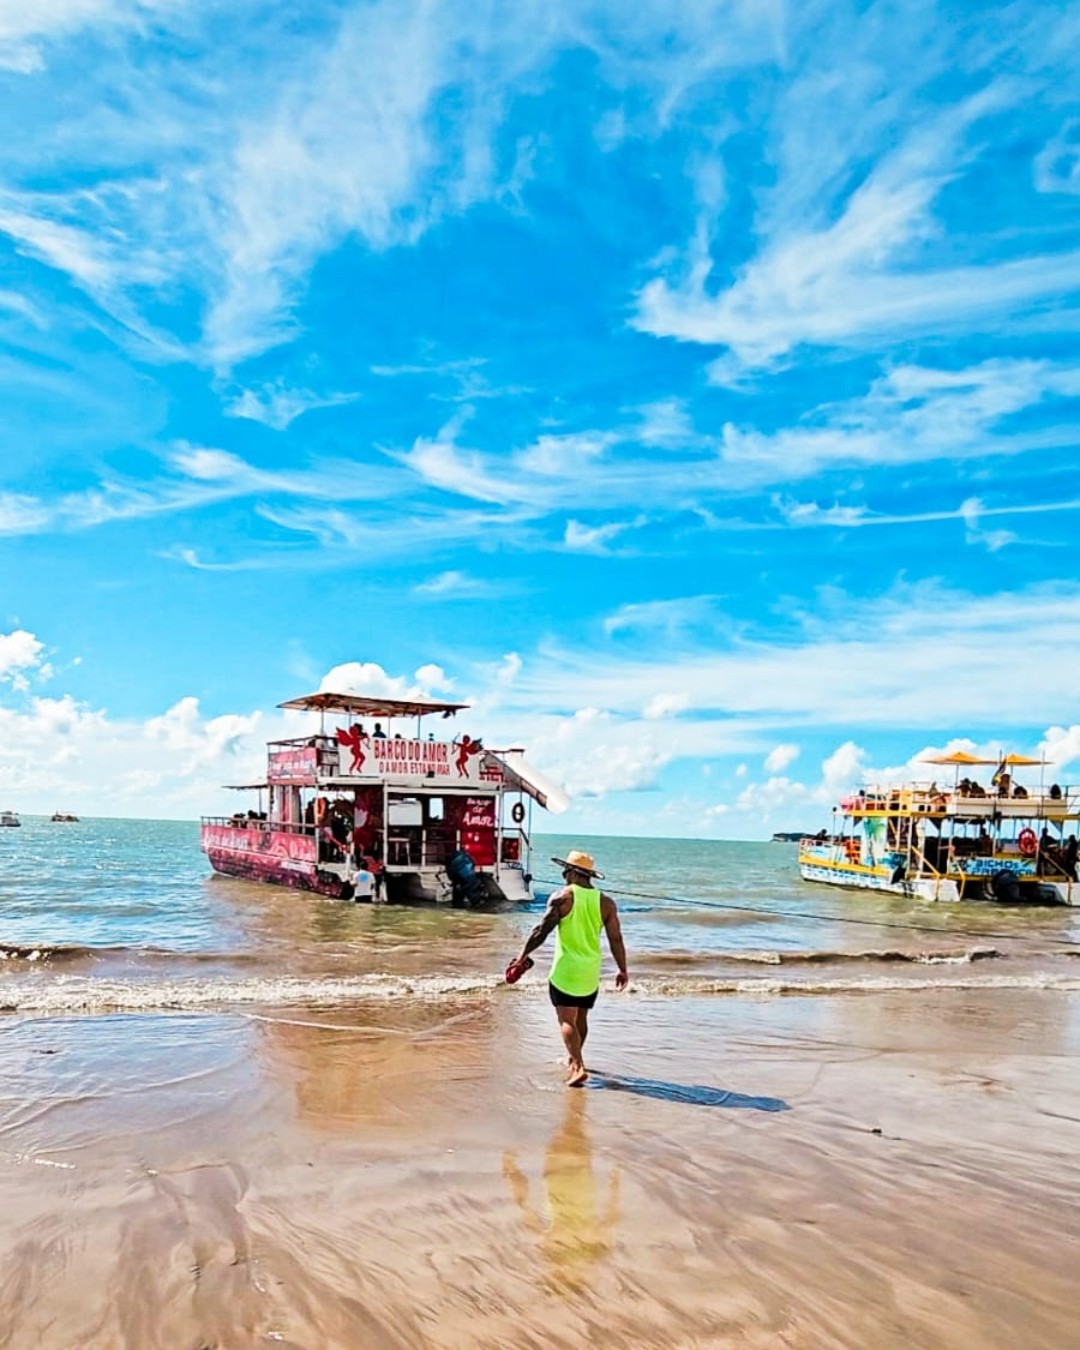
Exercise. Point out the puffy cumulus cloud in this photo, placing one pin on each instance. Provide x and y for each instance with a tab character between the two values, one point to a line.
433	677
47	729
592	754
774	797
779	796
21	654
780	756
367	679
845	766
182	729
1061	745
61	750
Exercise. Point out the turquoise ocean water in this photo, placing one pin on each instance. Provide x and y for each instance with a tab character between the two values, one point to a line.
127	913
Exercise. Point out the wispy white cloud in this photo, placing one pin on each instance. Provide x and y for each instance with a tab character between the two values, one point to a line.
581	538
667	617
862	153
877	662
667	424
811	514
277	406
665	705
15	303
1057	165
457	585
563	456
26	29
913	414
64	247
991	540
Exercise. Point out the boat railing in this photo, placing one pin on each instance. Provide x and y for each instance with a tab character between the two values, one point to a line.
929	799
259	821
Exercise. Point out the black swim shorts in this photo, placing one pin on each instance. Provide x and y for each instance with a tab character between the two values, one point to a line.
561	1000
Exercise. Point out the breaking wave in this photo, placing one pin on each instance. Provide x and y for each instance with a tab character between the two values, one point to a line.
73	995
74	954
963	957
45	955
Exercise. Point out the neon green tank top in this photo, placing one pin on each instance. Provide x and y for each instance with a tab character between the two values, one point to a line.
576	967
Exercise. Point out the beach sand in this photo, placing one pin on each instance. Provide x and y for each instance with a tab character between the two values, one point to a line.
893	1168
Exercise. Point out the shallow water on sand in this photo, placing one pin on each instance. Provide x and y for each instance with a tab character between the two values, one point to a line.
234	1116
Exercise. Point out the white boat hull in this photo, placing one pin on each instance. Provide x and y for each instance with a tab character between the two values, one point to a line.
930	889
880	879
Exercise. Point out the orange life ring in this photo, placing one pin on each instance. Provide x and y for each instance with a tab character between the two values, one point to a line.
1027	841
517	813
320	810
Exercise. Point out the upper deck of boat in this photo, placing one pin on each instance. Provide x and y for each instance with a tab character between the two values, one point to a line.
927	799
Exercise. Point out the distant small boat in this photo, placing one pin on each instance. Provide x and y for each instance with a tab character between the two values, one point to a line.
64	817
9	818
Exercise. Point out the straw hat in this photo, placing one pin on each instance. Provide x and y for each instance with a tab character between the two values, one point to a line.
581	862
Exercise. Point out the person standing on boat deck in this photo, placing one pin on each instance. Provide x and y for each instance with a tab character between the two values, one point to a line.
576	914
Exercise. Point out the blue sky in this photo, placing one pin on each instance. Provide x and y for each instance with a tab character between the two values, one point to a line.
693	388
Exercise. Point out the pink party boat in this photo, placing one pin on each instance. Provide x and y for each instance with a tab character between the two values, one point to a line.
373	806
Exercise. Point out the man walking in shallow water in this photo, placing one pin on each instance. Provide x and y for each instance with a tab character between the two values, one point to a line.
576	914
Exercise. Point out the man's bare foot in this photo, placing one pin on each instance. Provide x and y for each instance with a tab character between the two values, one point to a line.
578	1075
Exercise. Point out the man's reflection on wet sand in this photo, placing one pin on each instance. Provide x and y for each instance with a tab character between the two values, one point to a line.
577	1220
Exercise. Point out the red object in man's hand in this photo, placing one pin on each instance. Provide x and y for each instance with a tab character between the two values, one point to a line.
516	969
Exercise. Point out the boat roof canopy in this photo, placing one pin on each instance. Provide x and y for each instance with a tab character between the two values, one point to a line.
362	706
524	778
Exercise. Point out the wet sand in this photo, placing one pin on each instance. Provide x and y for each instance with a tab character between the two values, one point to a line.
891	1168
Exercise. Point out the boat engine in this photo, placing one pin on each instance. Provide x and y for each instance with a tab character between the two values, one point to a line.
1004	887
471	889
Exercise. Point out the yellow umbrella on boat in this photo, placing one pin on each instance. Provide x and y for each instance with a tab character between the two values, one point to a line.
959	757
1021	759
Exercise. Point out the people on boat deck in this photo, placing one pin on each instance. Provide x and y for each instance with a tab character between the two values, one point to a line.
1003	782
1055	792
967	787
1019	791
378	732
576	914
1069	857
